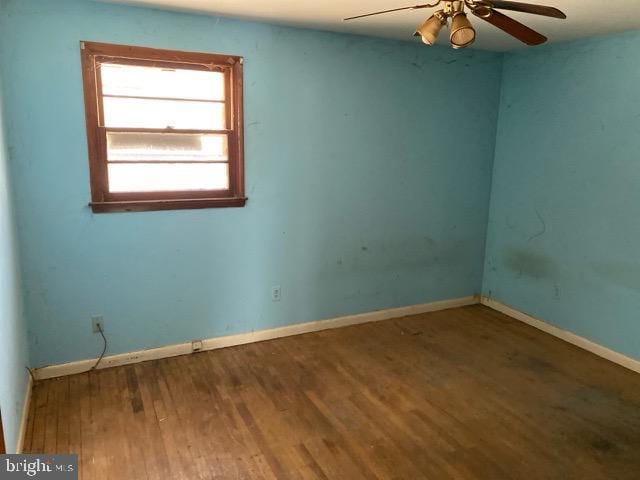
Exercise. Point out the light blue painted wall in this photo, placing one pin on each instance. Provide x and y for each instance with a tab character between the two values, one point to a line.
13	340
363	194
564	232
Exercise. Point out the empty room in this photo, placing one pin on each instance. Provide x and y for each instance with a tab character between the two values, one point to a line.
344	240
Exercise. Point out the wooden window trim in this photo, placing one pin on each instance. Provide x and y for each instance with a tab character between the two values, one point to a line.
103	201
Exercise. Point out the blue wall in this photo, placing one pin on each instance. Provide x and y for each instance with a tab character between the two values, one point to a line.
13	340
564	231
362	194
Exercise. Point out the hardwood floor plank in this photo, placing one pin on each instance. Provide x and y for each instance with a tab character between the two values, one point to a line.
127	428
40	397
51	418
28	439
63	416
74	417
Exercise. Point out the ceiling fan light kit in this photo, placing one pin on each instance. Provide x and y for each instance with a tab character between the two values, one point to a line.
462	32
430	29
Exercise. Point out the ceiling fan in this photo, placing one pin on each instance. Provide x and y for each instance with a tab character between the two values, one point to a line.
462	32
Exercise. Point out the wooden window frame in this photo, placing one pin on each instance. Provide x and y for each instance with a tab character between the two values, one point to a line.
102	200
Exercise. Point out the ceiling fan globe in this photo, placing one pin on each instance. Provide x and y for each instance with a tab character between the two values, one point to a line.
430	29
462	32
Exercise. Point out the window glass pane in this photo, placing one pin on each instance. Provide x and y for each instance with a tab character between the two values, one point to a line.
135	81
166	147
137	113
151	177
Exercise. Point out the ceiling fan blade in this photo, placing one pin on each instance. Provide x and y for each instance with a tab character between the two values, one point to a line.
415	7
528	8
514	28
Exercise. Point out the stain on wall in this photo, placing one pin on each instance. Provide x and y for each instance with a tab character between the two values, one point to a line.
527	263
623	274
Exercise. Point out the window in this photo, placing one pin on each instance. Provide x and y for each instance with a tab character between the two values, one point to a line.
164	128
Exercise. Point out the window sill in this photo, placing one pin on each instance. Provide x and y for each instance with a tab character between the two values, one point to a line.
152	205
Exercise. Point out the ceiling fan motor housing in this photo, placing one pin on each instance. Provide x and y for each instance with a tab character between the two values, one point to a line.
480	8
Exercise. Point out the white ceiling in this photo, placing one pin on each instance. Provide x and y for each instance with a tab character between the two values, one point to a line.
586	18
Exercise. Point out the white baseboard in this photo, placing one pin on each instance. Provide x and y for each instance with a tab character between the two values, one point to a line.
22	433
250	337
577	340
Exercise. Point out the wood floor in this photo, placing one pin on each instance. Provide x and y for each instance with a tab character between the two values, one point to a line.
466	393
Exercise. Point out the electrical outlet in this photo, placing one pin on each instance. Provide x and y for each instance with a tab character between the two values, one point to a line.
97	323
276	293
196	345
